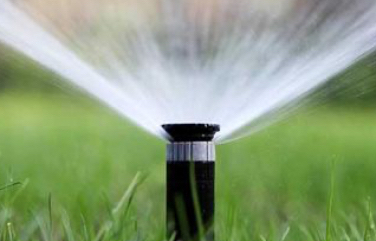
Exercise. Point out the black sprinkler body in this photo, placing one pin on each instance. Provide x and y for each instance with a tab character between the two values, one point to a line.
190	181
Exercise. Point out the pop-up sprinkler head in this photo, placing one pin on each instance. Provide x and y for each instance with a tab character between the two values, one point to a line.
190	181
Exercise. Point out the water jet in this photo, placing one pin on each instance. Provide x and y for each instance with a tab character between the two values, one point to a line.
190	181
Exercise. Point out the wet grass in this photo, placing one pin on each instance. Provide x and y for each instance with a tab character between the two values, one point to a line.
72	170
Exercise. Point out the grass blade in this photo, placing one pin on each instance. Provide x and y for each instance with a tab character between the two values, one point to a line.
328	236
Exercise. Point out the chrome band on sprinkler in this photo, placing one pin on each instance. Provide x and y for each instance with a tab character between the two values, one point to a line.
191	151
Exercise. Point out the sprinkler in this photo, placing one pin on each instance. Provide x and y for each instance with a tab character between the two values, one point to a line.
190	181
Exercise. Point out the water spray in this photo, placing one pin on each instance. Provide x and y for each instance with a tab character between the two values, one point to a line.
190	181
248	62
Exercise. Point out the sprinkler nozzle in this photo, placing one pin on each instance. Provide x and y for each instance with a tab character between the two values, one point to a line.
191	132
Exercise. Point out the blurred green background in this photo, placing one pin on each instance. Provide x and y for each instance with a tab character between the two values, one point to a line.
74	159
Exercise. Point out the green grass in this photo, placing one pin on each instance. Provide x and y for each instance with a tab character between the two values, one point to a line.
70	168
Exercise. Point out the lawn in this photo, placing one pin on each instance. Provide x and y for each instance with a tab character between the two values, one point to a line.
66	161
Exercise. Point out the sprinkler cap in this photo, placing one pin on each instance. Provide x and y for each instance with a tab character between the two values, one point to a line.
191	132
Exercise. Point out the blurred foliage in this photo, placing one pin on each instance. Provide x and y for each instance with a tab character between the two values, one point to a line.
357	83
22	74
